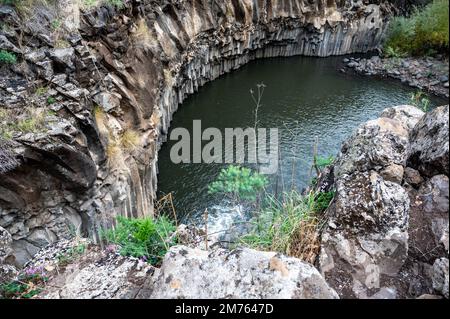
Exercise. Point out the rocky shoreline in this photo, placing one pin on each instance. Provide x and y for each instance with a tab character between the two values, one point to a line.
423	73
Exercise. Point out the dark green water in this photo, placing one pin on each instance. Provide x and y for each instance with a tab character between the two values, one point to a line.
307	95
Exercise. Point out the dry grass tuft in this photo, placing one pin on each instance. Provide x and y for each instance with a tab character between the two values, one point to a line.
130	140
142	34
291	225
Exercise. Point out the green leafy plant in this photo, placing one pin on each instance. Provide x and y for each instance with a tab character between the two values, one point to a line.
147	238
27	285
16	289
391	52
238	183
7	57
421	101
425	32
71	254
51	100
55	24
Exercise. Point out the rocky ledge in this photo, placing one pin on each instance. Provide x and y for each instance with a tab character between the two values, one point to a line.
427	74
90	99
386	234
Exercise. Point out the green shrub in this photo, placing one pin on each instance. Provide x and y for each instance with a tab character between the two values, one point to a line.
28	284
421	101
321	201
391	52
71	254
146	238
425	32
7	57
323	162
16	289
51	100
238	183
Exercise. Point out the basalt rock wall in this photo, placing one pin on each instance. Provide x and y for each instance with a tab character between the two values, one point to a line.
103	83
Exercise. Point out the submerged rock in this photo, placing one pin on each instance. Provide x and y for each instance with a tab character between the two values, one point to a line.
365	248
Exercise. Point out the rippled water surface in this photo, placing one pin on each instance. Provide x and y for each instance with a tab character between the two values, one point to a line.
305	98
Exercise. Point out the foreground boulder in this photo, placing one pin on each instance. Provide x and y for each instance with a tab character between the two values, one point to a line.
388	223
93	273
242	273
367	234
96	273
433	196
429	143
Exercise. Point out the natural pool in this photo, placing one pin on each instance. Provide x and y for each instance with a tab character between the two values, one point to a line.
305	98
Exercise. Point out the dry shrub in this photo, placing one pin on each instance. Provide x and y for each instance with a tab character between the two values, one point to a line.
130	140
291	225
305	241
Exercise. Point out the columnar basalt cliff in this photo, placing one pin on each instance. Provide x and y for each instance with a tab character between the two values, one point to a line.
101	86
